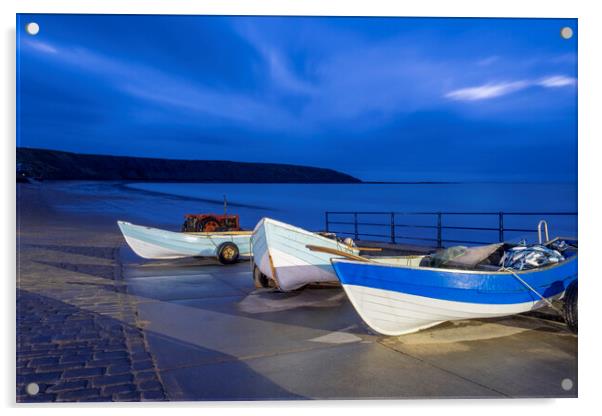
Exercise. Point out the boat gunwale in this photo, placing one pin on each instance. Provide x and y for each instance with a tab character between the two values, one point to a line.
303	231
206	234
371	262
215	233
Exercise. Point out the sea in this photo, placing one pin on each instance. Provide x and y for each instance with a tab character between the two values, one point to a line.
305	205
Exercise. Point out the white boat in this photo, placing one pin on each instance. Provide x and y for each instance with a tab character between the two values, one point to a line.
153	243
283	260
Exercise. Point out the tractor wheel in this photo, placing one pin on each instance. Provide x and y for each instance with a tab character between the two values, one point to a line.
570	307
260	279
209	224
227	253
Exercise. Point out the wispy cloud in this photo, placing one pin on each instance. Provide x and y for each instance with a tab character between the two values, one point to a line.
488	61
318	88
487	91
494	90
290	89
557	81
154	86
283	76
41	46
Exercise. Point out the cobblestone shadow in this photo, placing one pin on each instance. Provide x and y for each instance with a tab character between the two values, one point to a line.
77	355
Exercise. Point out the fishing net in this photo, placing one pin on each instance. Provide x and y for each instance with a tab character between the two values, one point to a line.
463	257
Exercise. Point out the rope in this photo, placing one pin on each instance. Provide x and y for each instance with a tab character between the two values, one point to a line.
531	289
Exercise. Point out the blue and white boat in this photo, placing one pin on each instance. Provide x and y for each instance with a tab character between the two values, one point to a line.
153	243
399	296
283	260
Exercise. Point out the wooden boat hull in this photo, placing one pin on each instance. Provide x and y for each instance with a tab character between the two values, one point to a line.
280	252
153	243
397	300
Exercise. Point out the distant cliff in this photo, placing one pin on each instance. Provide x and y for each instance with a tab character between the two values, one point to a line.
57	165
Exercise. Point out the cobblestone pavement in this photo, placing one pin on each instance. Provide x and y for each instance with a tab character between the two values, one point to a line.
78	337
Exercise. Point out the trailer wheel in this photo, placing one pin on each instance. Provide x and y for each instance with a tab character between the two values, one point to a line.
570	306
227	253
260	279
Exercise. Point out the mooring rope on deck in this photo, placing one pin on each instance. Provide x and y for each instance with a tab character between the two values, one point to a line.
531	289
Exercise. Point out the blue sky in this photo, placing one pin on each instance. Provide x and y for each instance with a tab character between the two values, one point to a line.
378	98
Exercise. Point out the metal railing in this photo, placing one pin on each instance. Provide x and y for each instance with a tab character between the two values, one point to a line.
438	224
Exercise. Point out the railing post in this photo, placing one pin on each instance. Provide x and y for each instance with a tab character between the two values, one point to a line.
439	238
393	227
326	220
501	222
355	225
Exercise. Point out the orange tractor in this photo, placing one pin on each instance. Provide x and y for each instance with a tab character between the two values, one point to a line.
196	223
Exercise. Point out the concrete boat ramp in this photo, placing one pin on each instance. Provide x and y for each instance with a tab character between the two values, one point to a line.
213	336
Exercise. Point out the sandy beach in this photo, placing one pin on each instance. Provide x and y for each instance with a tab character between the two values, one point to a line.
97	323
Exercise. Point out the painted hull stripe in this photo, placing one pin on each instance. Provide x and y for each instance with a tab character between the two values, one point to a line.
466	287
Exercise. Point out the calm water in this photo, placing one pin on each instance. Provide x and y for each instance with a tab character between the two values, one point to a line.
304	205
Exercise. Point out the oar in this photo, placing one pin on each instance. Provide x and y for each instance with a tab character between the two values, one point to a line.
337	253
369	248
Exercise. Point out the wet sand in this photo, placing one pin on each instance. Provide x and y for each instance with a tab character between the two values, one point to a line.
196	330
